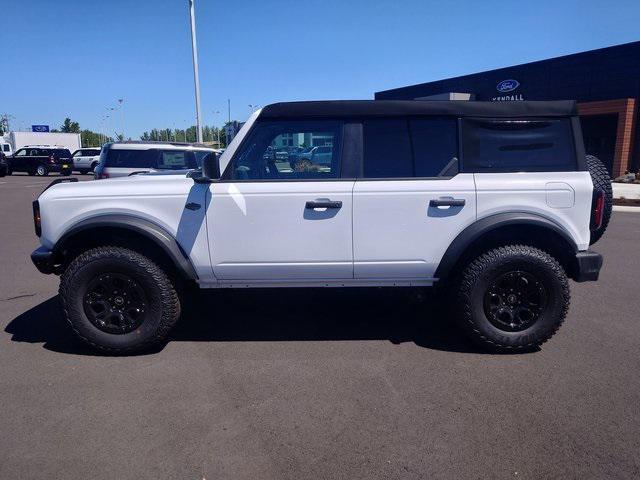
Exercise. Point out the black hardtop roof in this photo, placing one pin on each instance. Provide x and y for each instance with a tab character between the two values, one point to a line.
386	108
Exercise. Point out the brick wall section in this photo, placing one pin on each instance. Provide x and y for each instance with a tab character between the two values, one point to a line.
626	109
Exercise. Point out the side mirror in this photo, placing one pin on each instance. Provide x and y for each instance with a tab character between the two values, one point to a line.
210	168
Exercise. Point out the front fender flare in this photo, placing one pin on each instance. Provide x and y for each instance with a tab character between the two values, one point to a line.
146	228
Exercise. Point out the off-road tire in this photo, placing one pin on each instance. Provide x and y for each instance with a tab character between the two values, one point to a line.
602	181
163	300
475	280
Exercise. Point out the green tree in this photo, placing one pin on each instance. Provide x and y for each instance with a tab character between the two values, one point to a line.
69	126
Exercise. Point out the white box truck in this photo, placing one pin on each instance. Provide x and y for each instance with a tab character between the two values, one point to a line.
66	140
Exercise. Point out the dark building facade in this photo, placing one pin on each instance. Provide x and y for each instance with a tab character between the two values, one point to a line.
605	83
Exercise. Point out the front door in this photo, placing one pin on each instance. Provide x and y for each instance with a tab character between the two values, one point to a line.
411	202
274	218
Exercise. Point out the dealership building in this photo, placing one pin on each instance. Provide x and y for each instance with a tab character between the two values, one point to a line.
604	82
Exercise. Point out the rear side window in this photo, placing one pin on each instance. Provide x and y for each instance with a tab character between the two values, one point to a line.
435	146
387	148
517	145
117	158
405	148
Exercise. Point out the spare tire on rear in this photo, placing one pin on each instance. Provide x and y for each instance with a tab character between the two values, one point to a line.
601	181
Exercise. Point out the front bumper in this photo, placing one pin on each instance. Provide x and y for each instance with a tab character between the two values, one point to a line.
44	260
587	266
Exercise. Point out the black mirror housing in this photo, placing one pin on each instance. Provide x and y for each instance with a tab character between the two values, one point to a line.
210	168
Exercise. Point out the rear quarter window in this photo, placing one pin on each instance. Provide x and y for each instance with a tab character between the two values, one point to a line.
62	152
525	145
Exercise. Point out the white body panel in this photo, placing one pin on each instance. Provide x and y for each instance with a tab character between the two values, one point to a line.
85	162
562	197
158	199
262	231
397	235
70	141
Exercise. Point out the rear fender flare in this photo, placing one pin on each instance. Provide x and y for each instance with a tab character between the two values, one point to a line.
473	232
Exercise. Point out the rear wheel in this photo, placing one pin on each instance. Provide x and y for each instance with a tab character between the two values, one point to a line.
93	167
601	181
42	171
118	300
513	298
83	171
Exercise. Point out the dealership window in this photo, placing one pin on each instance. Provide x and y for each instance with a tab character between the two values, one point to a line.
517	145
401	148
289	150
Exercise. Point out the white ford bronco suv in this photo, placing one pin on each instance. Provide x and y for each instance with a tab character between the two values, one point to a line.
497	202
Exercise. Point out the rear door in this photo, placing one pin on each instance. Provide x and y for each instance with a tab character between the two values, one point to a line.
411	201
269	222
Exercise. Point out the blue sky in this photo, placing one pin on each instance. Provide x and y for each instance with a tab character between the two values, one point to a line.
77	57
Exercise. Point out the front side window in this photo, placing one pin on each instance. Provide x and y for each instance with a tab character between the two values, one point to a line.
518	145
78	153
289	150
21	153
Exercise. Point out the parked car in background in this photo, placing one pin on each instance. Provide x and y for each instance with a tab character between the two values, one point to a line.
6	148
121	159
86	160
4	167
40	160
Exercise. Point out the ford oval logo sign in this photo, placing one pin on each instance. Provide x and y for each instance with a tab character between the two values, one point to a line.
507	86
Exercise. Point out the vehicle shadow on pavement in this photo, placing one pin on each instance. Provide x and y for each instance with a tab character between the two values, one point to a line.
298	314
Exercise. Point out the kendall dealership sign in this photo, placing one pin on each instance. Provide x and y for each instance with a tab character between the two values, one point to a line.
508	86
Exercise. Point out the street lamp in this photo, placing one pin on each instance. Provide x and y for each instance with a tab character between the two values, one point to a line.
121	102
216	112
196	79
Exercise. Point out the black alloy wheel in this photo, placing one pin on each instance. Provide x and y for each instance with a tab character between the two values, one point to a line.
514	301
115	303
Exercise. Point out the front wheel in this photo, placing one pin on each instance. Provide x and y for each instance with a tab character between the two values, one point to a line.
512	299
118	300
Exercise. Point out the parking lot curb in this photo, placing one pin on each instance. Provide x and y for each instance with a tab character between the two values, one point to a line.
625	208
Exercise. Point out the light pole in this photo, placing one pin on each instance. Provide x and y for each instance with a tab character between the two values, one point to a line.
121	102
216	112
194	52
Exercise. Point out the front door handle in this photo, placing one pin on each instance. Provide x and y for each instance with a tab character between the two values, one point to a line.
447	202
323	204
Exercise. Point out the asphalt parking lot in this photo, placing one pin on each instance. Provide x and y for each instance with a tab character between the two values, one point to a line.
315	383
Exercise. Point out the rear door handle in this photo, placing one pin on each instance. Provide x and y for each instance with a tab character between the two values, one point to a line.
323	204
447	202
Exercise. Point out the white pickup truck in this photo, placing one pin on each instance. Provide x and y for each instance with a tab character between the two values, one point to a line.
495	202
